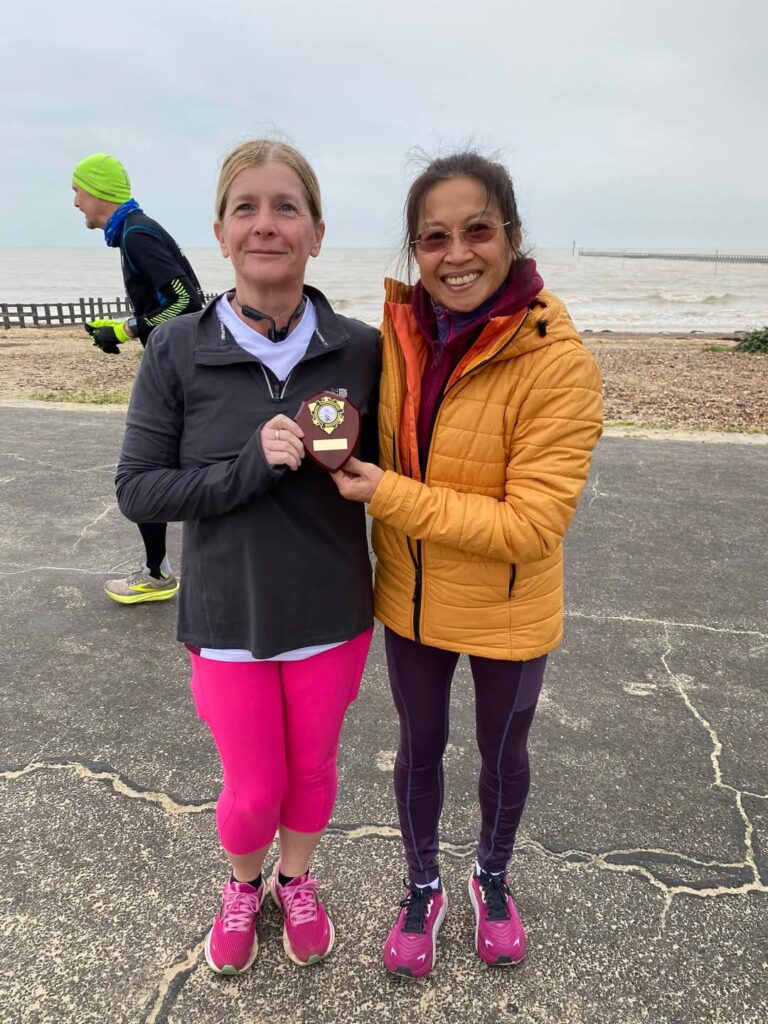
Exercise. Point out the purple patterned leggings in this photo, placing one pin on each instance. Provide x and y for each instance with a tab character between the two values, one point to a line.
506	693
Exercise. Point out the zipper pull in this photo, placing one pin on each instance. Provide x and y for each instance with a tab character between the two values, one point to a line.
417	590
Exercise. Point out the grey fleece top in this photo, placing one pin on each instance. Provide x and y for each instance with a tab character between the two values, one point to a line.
272	559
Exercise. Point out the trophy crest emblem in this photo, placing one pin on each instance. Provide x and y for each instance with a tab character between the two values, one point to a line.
327	413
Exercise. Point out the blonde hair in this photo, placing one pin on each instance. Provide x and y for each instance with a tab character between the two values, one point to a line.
256	153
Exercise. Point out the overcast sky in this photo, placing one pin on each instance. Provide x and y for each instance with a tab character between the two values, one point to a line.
624	123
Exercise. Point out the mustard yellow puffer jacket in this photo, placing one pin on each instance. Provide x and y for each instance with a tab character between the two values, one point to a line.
471	559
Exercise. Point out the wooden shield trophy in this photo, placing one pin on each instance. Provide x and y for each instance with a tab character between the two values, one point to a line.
331	426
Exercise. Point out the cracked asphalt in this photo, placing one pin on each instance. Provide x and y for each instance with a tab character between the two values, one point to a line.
642	865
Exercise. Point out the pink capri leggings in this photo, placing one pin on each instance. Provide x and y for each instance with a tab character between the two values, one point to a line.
276	725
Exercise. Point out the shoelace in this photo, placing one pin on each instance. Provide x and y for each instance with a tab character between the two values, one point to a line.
237	910
495	894
416	905
142	576
300	901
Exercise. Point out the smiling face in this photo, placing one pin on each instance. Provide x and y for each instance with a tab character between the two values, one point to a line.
462	276
267	229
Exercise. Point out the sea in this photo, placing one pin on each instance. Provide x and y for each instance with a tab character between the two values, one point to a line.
601	293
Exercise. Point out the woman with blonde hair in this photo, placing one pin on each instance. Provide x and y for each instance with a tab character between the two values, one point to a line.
276	608
490	409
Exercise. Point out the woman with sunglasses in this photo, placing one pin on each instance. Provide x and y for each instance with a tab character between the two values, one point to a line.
490	408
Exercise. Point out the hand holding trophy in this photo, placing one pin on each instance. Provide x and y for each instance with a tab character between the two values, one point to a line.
281	442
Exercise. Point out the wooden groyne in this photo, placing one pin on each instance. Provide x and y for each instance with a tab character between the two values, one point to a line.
696	257
63	314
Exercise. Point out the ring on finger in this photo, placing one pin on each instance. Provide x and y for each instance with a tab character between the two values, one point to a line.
277	435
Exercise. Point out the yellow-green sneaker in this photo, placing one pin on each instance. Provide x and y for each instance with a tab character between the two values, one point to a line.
140	586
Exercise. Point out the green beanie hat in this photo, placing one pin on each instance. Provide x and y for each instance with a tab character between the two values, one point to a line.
103	176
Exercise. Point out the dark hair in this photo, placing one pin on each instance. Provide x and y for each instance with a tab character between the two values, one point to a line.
491	174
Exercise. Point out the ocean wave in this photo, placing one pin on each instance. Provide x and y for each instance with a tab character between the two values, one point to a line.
692	298
660	298
637	321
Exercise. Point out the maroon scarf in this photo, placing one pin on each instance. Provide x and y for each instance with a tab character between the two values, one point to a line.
449	335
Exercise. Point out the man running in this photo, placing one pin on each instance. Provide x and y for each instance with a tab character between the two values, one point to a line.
161	284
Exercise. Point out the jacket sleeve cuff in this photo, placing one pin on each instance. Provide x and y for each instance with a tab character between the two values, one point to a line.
253	465
394	499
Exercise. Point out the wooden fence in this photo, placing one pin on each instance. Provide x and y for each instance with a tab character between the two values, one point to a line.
63	314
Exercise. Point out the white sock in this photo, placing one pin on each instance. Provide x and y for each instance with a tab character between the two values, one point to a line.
165	567
478	869
434	884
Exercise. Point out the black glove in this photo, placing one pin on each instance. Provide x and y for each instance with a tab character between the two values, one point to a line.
104	338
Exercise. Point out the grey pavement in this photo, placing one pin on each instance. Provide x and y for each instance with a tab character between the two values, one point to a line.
642	866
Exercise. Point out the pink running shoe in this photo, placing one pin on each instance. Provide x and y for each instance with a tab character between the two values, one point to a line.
499	932
307	930
231	945
410	946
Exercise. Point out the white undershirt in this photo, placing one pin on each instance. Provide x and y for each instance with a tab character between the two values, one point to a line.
281	357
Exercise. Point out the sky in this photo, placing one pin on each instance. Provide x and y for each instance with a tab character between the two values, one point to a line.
623	124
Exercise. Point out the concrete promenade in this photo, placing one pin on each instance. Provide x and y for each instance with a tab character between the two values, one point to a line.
642	866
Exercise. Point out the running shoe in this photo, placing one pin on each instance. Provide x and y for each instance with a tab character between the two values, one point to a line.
140	586
232	944
307	930
499	932
410	946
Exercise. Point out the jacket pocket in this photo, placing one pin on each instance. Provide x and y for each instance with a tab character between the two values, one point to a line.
512	578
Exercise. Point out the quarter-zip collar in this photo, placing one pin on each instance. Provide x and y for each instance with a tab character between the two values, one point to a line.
215	346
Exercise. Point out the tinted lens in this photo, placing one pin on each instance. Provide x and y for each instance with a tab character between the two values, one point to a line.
433	241
480	232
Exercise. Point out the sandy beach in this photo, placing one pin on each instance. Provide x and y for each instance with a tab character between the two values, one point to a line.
693	382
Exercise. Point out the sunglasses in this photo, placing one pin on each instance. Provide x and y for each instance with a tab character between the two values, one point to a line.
473	234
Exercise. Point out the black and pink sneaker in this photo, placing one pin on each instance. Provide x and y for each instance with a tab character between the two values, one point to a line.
499	932
410	949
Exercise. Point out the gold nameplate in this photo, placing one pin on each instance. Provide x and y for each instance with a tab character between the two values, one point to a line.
333	444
